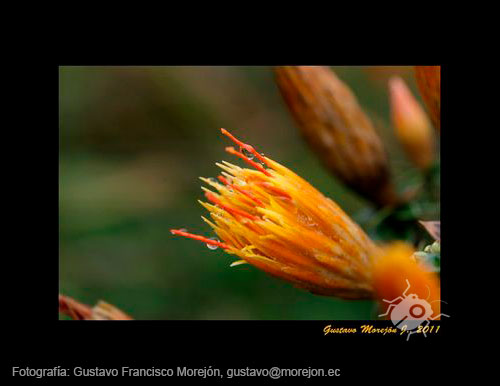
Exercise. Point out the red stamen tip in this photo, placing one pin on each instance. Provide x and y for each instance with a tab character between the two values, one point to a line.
242	191
223	180
206	240
234	211
245	146
231	150
274	189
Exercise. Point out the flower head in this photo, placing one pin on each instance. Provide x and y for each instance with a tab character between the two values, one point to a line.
273	219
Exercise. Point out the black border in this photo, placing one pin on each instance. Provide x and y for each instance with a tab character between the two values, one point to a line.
38	338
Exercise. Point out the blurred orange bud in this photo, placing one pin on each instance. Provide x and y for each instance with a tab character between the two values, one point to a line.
413	128
395	268
79	311
429	83
335	126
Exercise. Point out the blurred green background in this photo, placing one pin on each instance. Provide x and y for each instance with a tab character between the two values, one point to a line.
133	142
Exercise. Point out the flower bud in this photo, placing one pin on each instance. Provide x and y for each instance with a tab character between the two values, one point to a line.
337	129
411	124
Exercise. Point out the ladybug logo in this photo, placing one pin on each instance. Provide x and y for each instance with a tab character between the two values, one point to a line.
408	312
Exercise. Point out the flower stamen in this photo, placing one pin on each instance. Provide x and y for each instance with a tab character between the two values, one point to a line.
245	146
281	193
204	239
242	191
232	150
211	197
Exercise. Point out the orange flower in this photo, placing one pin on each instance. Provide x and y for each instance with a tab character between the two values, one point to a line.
271	218
429	83
413	128
394	267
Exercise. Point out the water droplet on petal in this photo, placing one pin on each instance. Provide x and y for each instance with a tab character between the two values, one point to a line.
247	154
212	180
183	230
212	247
306	220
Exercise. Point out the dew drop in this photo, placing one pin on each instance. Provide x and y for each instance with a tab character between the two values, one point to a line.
247	154
212	247
306	220
212	180
183	230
